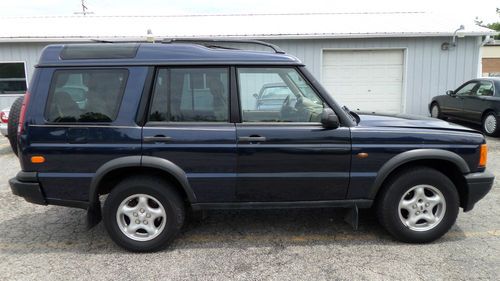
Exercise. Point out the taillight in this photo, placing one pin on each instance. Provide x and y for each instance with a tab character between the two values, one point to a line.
3	117
483	155
26	100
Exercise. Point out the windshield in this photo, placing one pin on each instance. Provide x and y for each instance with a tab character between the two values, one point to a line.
277	92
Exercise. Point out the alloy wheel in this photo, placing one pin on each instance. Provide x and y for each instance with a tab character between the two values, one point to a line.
422	207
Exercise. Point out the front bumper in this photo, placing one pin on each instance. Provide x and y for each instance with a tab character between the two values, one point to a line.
477	186
26	185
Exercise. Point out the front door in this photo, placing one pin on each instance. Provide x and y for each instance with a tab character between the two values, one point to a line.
454	104
284	153
189	126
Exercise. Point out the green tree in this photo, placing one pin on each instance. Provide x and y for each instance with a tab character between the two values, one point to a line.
493	25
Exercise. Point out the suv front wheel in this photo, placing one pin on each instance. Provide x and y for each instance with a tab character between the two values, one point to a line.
143	214
418	205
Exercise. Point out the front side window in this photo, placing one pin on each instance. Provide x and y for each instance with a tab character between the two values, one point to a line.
85	95
191	95
467	90
12	78
277	95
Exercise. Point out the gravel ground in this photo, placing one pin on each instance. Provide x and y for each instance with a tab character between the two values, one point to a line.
51	243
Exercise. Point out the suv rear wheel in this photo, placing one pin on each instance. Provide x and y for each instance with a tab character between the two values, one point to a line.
418	205
13	123
143	214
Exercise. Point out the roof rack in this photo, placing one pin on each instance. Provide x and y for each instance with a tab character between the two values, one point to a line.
212	43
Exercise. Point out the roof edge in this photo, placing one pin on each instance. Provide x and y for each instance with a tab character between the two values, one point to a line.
50	39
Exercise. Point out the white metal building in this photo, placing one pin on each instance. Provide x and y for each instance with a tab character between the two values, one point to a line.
384	62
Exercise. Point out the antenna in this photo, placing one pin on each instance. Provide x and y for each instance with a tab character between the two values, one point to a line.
84	9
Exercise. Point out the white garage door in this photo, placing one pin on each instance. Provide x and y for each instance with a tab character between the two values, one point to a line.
365	80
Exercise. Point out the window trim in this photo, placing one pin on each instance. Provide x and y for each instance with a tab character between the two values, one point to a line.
261	123
52	85
26	78
148	123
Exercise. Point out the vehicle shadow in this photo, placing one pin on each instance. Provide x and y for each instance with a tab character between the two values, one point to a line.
58	229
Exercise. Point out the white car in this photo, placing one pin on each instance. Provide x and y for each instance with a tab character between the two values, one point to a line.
4	118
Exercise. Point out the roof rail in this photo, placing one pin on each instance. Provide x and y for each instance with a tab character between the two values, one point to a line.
209	42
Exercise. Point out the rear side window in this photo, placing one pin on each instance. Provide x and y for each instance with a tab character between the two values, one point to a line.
85	95
191	95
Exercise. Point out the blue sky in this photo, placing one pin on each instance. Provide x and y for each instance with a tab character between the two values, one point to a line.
464	10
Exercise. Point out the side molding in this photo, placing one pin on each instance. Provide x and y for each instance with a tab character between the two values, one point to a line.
136	161
414	155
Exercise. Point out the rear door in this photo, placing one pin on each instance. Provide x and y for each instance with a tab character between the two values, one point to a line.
188	124
477	102
284	153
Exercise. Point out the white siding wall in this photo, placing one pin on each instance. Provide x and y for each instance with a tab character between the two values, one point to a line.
25	52
429	71
19	52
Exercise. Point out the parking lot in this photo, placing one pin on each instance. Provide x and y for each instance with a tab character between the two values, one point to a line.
49	242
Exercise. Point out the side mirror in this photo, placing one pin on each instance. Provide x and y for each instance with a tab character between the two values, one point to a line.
329	119
255	95
450	93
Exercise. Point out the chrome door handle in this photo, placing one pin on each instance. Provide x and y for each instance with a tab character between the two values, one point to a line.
252	139
157	139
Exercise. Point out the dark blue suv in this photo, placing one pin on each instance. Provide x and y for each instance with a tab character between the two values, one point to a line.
163	129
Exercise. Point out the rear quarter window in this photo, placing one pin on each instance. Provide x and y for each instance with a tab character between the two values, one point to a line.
80	96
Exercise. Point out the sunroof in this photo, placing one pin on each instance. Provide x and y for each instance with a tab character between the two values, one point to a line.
99	51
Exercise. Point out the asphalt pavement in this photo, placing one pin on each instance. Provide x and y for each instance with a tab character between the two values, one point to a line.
52	243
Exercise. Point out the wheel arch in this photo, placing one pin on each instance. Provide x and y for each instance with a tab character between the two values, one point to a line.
113	171
447	162
486	111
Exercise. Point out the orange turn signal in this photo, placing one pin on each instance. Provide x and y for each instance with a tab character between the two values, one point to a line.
483	155
37	159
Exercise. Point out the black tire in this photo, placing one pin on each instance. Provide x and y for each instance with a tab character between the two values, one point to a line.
391	216
13	123
159	189
490	125
439	114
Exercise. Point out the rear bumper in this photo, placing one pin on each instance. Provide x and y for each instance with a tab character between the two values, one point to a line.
477	186
26	185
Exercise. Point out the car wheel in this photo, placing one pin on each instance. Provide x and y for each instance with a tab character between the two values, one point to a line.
436	111
490	124
13	123
143	214
418	205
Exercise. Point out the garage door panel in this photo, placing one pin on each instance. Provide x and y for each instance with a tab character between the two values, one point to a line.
378	57
371	74
368	80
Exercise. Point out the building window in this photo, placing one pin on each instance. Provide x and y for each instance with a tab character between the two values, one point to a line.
12	78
